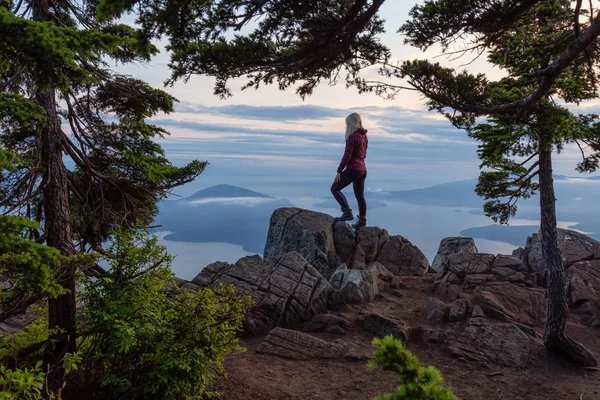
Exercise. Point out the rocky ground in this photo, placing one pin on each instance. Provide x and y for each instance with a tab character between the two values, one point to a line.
322	293
254	375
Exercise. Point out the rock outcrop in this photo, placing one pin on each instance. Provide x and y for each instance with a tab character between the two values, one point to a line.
468	270
306	232
504	344
355	286
297	345
452	245
489	307
326	244
508	302
583	290
381	326
574	246
583	282
326	323
459	310
437	310
286	291
395	253
499	285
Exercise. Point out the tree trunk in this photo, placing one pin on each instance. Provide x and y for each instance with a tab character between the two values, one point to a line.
61	310
555	337
57	228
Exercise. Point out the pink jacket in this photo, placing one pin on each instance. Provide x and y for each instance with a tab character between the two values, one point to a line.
356	152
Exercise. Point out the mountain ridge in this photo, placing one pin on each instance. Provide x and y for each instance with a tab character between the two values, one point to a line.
224	191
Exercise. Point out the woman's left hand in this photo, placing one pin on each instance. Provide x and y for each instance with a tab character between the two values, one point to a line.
337	178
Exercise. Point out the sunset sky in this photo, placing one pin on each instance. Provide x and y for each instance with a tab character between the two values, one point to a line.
273	130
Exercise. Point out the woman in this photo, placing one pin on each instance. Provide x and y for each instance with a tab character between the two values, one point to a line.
353	170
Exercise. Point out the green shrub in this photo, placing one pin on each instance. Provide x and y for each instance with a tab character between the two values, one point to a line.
21	383
416	382
143	340
36	332
27	265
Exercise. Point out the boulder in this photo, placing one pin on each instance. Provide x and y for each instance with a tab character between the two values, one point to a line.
583	282
448	292
459	310
380	272
463	270
476	321
452	245
381	326
343	238
297	345
306	232
355	286
419	335
477	312
508	262
326	243
477	317
463	264
574	246
286	292
470	270
492	307
323	322
583	291
403	258
509	302
437	311
358	259
590	313
370	240
178	286
336	330
505	344
17	323
384	278
207	275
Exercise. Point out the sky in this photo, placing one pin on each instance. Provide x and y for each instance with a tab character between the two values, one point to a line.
260	134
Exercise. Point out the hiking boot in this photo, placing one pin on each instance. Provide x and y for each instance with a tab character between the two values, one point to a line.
346	215
362	221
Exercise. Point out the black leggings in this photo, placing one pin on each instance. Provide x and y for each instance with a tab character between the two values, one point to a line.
357	178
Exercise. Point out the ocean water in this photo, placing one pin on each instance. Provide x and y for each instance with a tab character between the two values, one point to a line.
191	258
424	226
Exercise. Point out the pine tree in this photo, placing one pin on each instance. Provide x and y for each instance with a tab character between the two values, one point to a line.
516	144
85	161
300	44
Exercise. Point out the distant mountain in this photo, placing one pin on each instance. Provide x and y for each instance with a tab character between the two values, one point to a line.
577	194
515	235
453	194
221	213
225	191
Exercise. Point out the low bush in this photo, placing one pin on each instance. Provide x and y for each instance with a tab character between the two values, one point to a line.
139	336
416	382
144	340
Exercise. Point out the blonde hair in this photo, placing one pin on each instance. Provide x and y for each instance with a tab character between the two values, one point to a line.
353	122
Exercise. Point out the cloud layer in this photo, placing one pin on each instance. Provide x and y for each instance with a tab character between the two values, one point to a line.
302	145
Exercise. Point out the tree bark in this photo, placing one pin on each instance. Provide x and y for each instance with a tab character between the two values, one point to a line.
555	336
57	228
